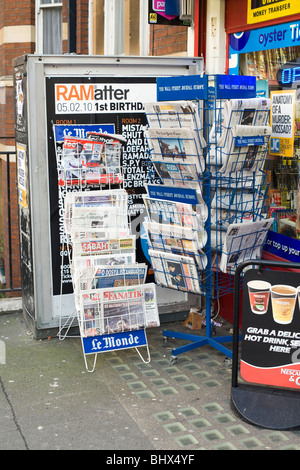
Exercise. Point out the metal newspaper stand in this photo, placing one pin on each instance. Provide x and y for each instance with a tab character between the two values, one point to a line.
266	365
67	91
230	181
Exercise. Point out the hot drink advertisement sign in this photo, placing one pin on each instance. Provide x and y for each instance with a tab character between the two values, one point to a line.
270	349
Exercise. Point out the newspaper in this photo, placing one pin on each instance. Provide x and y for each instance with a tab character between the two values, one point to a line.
175	114
178	114
175	213
114	310
108	276
247	157
97	218
238	200
184	174
243	242
82	262
90	161
175	271
173	236
93	199
93	247
172	145
177	240
245	112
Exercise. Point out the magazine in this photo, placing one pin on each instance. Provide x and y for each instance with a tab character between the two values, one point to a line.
243	242
175	146
175	213
175	271
114	310
90	161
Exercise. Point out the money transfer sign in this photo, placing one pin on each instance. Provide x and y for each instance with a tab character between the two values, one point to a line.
270	352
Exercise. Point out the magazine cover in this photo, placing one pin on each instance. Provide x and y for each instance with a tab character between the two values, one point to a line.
90	161
175	271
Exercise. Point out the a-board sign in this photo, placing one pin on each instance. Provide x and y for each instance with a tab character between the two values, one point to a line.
270	350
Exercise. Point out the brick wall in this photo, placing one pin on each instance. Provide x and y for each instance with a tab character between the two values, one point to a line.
168	40
12	14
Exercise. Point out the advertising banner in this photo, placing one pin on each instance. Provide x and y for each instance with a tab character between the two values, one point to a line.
282	120
270	352
262	39
113	105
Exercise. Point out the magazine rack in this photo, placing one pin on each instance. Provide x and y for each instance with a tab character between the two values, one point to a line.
224	162
113	305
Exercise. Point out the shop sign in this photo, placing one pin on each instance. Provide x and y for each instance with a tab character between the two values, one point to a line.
262	39
265	10
112	342
190	87
282	248
235	87
158	13
270	352
289	74
282	119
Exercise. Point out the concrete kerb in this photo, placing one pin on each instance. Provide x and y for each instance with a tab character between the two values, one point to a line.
10	305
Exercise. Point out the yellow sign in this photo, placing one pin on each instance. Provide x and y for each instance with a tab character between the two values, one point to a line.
153	17
265	10
282	119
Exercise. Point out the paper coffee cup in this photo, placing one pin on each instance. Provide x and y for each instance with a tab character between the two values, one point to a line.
259	294
283	299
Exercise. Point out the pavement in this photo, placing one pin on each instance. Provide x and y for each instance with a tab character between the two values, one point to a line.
48	400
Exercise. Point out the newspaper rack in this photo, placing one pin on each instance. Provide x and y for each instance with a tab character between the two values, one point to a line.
113	304
224	162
